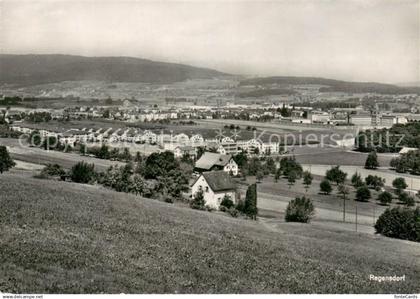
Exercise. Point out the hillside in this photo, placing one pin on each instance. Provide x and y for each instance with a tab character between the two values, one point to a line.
333	85
69	238
41	69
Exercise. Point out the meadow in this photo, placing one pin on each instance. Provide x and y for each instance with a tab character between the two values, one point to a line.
72	238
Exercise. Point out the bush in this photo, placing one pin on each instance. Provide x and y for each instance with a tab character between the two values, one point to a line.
82	172
209	208
406	199
325	187
53	170
375	182
233	212
385	198
288	165
356	180
240	206
169	200
198	201
363	194
300	209
6	161
119	179
399	184
227	202
400	223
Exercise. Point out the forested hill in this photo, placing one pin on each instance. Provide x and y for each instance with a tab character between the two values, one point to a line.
40	69
333	85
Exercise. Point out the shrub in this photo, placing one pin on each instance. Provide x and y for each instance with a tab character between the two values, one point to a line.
307	179
233	212
53	170
227	202
325	187
399	184
240	206
375	182
406	199
82	172
300	209
209	208
6	161
169	200
119	179
363	194
288	165
385	198
198	201
400	223
356	180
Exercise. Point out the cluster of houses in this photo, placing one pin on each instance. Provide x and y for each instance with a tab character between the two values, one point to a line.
180	144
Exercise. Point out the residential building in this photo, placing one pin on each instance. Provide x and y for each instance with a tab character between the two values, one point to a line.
214	161
215	185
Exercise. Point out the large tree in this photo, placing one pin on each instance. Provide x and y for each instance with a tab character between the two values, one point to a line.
159	164
6	162
250	205
372	161
336	175
400	185
325	187
363	194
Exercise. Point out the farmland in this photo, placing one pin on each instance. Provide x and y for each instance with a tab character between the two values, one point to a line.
69	238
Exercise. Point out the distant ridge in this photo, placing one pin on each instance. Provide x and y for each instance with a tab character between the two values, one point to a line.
333	85
40	69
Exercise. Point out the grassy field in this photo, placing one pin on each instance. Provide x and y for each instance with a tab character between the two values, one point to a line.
326	156
67	238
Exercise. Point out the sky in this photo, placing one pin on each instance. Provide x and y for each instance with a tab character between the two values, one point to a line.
356	40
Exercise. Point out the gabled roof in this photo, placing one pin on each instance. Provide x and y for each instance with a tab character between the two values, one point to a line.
219	180
208	160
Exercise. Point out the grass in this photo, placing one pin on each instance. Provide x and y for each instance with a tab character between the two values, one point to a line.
69	238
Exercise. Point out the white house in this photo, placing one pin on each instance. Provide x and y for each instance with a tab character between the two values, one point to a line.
214	161
215	185
183	150
149	137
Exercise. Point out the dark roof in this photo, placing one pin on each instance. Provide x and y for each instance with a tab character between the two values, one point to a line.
208	160
219	180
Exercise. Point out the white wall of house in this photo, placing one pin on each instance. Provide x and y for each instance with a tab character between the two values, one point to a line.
231	167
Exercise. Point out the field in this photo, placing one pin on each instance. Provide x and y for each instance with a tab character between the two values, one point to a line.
295	134
413	181
336	156
273	199
67	238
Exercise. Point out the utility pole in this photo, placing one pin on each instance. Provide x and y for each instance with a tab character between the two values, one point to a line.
356	217
374	213
344	208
